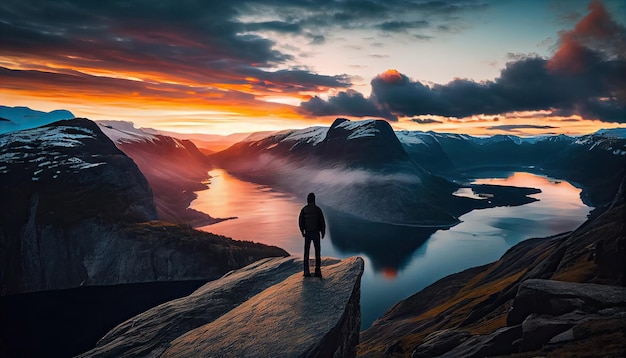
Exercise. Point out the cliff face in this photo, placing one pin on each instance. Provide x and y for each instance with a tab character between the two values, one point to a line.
174	168
74	210
280	313
558	295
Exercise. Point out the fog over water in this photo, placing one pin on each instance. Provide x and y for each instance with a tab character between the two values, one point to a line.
399	261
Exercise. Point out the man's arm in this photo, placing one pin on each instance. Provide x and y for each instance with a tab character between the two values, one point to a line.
322	222
301	221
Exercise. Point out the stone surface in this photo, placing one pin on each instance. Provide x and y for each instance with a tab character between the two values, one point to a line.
500	342
440	342
298	317
556	298
269	303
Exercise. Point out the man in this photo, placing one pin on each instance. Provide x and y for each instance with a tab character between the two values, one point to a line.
312	224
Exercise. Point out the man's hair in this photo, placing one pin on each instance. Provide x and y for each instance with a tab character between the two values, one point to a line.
310	198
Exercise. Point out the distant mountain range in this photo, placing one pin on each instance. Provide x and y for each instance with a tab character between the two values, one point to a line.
366	169
363	168
595	161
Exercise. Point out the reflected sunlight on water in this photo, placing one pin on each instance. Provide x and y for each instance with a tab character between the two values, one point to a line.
399	261
263	215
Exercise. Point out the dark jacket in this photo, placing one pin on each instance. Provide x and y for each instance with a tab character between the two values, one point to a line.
312	219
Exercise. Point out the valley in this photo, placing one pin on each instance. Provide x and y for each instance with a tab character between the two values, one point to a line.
412	220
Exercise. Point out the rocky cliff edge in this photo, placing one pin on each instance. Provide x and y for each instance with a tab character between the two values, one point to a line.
266	309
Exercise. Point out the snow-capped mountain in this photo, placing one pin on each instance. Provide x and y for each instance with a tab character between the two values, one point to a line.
612	133
357	167
18	118
55	178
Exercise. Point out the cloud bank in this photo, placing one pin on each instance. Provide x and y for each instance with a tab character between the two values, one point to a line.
585	76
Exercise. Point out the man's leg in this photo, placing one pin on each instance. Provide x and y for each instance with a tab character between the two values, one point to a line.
318	255
307	247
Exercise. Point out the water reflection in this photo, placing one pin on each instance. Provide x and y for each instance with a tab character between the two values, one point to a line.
389	247
262	214
399	261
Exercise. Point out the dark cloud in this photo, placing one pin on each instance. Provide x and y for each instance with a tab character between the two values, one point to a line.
518	127
584	77
277	26
402	26
345	103
425	120
185	41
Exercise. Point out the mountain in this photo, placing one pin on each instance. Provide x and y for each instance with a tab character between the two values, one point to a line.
18	118
174	168
76	211
359	168
595	161
612	132
206	143
556	296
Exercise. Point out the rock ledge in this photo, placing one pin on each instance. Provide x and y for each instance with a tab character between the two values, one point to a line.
265	309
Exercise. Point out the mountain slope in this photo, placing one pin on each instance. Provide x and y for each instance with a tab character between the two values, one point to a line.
359	168
174	168
75	211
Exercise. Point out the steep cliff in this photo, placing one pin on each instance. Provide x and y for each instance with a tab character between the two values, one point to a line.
75	211
279	312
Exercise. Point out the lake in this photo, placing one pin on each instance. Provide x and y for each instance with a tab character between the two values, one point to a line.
399	260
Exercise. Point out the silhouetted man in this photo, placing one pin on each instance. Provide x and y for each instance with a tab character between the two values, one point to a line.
312	225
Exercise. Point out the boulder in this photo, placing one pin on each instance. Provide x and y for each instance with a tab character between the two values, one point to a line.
279	312
440	342
501	342
556	298
551	310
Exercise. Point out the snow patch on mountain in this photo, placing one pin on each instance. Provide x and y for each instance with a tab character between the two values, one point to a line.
410	137
41	149
612	133
360	129
311	135
48	137
124	132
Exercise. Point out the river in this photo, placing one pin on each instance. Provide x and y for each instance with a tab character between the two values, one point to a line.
399	261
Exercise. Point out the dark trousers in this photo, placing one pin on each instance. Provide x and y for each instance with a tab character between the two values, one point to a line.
315	237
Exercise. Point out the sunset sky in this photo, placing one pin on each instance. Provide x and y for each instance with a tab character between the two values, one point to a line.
221	66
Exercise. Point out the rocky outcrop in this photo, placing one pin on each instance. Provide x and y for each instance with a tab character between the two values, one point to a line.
560	295
75	210
547	308
279	312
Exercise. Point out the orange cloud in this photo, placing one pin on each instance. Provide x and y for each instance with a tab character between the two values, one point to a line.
391	76
596	33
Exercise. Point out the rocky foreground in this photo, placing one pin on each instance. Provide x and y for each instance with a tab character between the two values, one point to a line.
266	309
